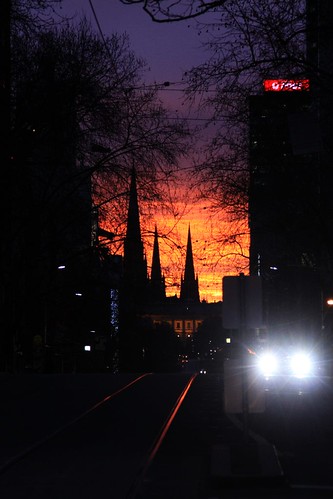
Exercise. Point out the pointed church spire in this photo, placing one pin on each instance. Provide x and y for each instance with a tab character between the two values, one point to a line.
156	279
133	232
156	272
135	264
189	265
189	290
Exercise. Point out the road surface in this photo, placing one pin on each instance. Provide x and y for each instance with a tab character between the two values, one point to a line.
154	436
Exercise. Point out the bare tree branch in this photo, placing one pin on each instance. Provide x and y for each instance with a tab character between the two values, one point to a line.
168	11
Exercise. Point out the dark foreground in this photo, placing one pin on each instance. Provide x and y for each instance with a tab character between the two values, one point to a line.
78	436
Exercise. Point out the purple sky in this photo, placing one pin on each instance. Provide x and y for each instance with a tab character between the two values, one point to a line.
169	48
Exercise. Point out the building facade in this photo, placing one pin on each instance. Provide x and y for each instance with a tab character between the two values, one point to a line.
290	198
284	208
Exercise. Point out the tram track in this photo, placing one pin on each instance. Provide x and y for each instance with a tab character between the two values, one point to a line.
21	455
136	484
106	450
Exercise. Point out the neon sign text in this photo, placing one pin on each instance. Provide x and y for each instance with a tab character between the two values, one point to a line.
282	85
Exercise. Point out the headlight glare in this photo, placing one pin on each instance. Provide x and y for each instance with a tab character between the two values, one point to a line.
301	365
268	364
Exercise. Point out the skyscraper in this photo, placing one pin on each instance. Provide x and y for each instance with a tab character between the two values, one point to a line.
291	177
284	205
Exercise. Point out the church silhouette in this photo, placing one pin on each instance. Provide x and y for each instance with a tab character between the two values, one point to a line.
145	295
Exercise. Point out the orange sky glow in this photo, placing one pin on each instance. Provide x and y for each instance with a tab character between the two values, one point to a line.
214	257
220	246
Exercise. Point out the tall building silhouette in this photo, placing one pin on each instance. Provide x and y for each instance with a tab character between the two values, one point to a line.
290	203
283	210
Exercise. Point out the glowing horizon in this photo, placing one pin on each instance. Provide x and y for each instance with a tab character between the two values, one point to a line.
213	259
220	246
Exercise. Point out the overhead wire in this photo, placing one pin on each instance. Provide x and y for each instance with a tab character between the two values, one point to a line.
98	25
164	86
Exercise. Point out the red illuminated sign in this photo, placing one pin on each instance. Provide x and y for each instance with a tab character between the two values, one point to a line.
282	85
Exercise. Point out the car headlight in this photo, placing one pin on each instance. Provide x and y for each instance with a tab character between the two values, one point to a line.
301	365
268	364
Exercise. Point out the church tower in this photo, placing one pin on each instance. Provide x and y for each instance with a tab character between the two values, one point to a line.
135	264
157	281
133	291
189	290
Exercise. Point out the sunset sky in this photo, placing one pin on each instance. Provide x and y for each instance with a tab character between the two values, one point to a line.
170	50
212	258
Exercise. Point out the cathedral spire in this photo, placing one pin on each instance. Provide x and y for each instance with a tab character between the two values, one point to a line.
133	232
156	278
135	264
156	272
189	291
